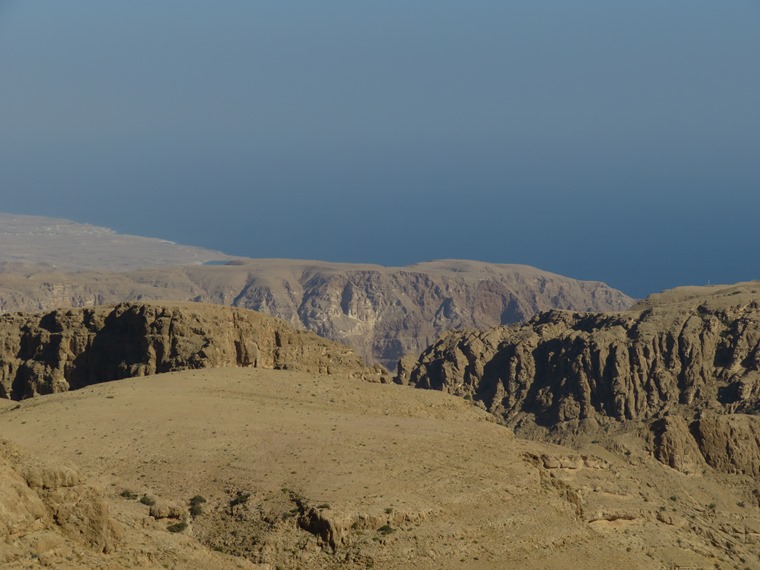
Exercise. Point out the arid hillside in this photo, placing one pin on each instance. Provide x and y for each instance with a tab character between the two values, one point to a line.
296	470
683	366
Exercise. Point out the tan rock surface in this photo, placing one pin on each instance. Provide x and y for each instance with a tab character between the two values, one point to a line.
69	349
382	312
328	462
730	443
684	352
49	511
51	517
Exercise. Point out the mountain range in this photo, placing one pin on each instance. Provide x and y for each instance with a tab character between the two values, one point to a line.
382	312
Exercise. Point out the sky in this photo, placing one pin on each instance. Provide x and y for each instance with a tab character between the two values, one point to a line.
603	140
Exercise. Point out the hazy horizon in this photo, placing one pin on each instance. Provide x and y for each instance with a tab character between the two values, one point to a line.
612	143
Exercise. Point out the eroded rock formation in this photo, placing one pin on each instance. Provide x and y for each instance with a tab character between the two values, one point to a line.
69	349
382	312
690	353
46	510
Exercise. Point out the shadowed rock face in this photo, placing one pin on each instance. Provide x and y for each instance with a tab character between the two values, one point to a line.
382	312
693	353
63	350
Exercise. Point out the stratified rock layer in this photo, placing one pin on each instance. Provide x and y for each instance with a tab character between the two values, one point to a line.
382	312
69	349
692	352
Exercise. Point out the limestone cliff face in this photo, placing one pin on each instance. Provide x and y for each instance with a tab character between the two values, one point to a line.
691	354
69	349
383	313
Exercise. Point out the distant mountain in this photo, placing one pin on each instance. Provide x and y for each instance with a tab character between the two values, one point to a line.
34	241
382	312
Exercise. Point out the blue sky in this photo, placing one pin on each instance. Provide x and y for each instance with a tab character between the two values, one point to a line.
616	141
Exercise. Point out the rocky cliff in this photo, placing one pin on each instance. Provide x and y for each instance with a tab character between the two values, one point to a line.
381	312
69	349
691	353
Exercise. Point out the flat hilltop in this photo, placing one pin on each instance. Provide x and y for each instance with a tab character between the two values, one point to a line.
341	473
34	243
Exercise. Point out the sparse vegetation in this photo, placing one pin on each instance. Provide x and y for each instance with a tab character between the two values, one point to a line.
146	500
177	527
389	510
385	529
323	506
197	500
195	505
127	494
240	498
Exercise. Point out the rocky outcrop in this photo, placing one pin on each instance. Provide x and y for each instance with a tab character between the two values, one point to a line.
685	353
672	443
46	511
730	443
69	349
382	312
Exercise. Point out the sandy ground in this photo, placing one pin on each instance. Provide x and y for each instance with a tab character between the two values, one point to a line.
454	489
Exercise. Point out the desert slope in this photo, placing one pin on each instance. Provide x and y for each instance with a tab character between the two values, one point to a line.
344	474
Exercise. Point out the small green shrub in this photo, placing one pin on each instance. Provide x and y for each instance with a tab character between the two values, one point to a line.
146	500
195	505
385	529
240	498
177	527
197	500
127	494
